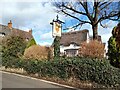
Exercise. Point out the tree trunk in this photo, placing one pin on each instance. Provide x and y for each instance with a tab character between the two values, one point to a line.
95	19
95	32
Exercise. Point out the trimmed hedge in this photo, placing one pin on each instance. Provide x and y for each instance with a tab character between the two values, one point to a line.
98	71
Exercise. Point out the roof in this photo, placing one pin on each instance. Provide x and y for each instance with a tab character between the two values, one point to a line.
17	32
23	34
4	29
75	37
98	38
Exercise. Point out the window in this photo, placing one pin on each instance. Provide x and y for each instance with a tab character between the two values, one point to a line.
2	34
27	39
71	53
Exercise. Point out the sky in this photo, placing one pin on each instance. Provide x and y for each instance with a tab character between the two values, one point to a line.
37	15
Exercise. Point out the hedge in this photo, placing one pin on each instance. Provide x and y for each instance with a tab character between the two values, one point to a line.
98	71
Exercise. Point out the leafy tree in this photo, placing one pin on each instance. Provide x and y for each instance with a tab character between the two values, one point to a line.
12	48
116	34
93	13
114	47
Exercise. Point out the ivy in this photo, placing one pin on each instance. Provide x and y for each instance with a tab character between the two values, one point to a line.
56	47
31	42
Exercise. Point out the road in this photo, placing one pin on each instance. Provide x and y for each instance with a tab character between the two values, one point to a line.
17	81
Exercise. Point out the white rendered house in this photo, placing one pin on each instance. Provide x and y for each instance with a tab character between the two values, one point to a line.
70	42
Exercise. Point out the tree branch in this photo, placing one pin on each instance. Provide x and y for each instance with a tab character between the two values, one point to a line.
86	10
107	17
102	25
96	11
75	17
74	10
75	26
106	5
102	4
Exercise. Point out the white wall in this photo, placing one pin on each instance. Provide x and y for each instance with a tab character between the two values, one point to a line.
71	46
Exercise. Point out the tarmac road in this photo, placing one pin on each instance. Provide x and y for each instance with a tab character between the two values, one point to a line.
10	80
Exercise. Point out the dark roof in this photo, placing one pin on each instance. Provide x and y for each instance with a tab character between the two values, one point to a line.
16	32
4	29
75	37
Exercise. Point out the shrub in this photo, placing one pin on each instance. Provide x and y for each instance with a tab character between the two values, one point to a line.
93	49
114	47
85	69
99	71
116	34
38	52
12	49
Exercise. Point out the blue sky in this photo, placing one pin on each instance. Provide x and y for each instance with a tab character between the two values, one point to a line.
37	16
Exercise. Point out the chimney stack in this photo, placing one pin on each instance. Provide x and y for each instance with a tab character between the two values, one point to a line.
10	24
30	31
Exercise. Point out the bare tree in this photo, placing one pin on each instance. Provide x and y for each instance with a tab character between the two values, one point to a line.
94	12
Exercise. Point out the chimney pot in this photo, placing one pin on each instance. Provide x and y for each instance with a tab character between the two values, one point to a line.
10	24
30	31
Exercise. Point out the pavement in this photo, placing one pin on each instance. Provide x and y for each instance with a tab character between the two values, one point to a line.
11	80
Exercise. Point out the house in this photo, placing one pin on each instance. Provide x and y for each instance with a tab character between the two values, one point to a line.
70	42
9	30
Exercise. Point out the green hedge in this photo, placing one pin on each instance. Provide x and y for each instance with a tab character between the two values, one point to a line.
99	71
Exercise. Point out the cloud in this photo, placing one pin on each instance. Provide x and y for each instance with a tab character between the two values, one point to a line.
24	1
30	15
37	16
24	14
106	32
46	36
45	43
87	26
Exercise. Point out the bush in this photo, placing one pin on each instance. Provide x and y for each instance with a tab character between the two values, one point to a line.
99	71
93	49
38	52
114	47
85	69
12	49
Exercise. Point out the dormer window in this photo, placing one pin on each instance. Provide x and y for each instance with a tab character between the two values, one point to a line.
2	34
72	45
27	39
61	46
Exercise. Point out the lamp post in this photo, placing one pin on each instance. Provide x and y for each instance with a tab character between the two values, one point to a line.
56	33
